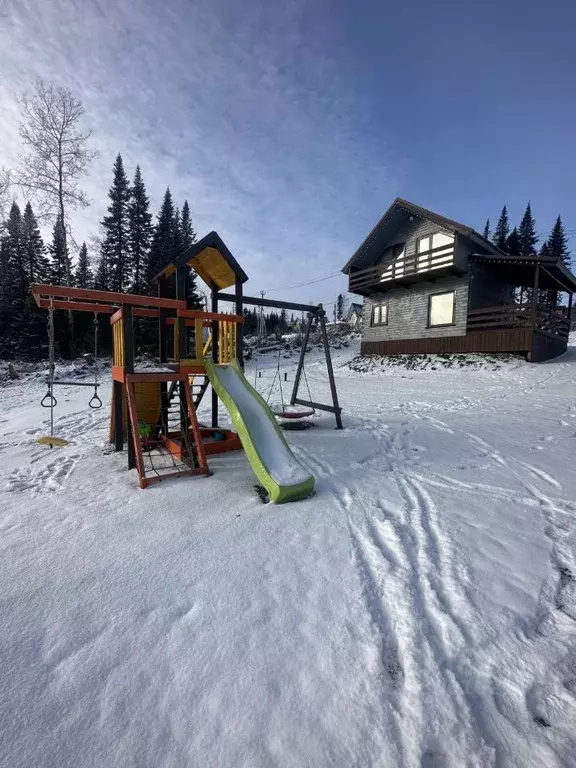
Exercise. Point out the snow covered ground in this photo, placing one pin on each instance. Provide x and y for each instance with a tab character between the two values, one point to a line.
420	610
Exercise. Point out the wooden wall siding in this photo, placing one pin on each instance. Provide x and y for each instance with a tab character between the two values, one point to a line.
408	311
486	289
545	347
519	341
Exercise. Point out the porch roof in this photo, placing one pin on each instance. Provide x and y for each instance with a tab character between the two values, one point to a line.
520	272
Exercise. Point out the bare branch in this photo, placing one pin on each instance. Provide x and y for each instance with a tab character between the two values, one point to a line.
5	183
56	153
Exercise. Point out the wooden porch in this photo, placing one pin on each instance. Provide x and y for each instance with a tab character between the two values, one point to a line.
539	334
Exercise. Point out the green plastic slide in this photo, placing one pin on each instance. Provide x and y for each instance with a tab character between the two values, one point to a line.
274	464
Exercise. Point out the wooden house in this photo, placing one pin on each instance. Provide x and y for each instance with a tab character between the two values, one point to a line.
432	285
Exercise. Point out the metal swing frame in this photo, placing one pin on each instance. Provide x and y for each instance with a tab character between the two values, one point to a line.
315	313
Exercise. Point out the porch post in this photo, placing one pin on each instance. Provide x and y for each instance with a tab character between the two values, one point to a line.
535	295
215	341
239	309
569	315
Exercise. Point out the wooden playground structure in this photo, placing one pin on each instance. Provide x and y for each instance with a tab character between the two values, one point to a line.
154	411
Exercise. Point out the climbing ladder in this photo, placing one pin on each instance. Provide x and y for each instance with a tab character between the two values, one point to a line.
176	435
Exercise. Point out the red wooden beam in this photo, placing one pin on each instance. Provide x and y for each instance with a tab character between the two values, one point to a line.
83	294
77	306
194	313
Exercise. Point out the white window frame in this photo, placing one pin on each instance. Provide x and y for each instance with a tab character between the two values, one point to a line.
431	297
376	315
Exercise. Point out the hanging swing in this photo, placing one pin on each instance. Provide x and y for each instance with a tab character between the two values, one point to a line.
49	400
284	412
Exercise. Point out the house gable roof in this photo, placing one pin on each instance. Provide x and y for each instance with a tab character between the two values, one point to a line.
423	213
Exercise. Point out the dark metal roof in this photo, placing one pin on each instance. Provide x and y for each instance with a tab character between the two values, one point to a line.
521	270
424	213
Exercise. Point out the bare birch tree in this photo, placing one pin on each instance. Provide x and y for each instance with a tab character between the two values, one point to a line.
4	193
57	152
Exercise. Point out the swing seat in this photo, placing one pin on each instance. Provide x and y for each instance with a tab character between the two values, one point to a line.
294	414
59	442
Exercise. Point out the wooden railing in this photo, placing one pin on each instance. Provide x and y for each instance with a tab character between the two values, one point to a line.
226	332
416	263
513	316
117	340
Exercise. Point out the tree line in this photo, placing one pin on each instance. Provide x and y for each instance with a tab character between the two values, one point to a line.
522	240
132	251
129	251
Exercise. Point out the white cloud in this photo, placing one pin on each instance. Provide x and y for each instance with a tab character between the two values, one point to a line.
243	108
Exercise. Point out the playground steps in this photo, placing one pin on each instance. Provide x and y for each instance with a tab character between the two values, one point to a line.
170	436
199	388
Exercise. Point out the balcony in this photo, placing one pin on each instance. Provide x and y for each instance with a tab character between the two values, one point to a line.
407	269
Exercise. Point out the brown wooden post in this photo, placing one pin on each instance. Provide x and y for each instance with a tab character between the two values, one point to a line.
128	332
118	416
301	360
535	295
214	308
239	327
163	349
337	409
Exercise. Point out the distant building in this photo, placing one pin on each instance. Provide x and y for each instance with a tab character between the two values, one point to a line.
354	315
432	285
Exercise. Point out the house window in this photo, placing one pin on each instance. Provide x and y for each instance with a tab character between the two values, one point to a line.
380	314
439	258
393	257
441	309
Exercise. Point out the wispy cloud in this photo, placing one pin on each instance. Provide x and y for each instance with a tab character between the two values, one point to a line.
246	109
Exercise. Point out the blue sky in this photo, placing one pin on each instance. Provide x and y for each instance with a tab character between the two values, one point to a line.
291	126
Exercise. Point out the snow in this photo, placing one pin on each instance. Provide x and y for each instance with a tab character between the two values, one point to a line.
420	610
278	460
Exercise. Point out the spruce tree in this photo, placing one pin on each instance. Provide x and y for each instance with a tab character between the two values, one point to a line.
545	251
36	261
177	234
558	244
59	267
527	237
162	249
116	242
11	279
30	318
188	232
60	271
487	230
84	277
140	230
188	238
502	231
102	277
340	307
512	245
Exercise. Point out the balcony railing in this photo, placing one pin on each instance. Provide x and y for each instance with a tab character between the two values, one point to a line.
512	316
410	266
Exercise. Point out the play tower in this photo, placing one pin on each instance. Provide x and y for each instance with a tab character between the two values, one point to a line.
154	410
